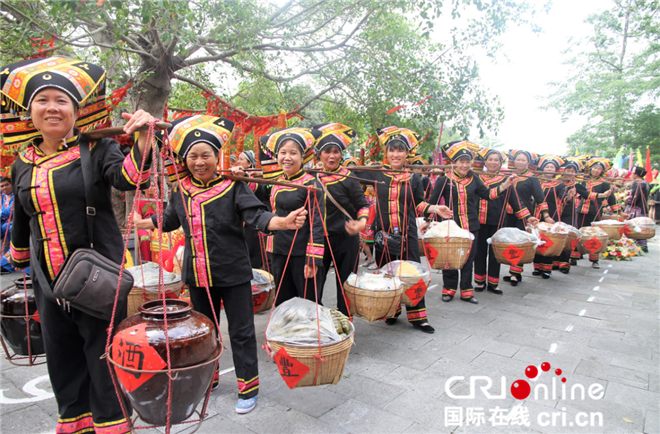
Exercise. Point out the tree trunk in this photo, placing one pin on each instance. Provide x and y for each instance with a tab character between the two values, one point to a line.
154	92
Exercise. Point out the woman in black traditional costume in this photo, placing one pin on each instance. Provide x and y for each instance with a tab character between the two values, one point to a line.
463	190
400	198
343	241
569	213
526	196
62	96
212	211
638	201
553	192
600	200
297	255
491	218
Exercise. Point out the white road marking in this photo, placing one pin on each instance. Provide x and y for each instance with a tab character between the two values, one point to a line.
590	299
30	388
582	312
553	348
569	328
596	288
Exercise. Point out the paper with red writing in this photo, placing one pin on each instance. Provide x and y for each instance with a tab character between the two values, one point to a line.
131	349
416	292
291	370
259	299
574	244
545	246
513	254
431	253
593	245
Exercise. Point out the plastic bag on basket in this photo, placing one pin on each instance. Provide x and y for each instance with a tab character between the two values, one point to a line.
373	282
406	271
606	222
554	228
569	229
448	228
592	231
639	223
261	281
514	236
294	322
149	271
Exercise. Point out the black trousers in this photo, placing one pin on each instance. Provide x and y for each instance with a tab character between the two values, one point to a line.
450	280
293	282
345	249
237	302
410	253
74	343
486	267
544	263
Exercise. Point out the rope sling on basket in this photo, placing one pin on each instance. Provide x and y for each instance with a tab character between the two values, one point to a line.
308	355
147	358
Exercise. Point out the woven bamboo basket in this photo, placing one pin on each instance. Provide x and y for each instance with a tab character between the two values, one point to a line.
613	231
453	253
645	234
138	296
372	305
558	240
527	257
421	248
585	239
330	370
572	236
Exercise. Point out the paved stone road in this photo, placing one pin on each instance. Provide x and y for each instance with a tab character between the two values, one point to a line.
600	327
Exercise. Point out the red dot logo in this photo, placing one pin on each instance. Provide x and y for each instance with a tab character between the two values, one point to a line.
558	371
531	371
545	366
563	380
520	389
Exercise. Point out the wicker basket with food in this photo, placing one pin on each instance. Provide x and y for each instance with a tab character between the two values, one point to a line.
373	297
315	337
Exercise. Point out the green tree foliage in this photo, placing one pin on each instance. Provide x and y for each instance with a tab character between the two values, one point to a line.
615	81
341	60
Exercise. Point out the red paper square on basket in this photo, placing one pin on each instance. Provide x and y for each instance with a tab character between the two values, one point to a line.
574	244
624	230
131	349
593	245
545	246
513	254
416	292
431	253
291	370
258	299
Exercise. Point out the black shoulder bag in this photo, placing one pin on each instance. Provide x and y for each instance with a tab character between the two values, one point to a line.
88	280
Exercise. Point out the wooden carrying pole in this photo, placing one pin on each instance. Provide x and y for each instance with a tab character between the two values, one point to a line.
269	182
119	131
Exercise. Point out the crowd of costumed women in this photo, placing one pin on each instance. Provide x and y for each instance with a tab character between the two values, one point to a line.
306	237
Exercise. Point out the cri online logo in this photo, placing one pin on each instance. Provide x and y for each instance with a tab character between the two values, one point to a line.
521	390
